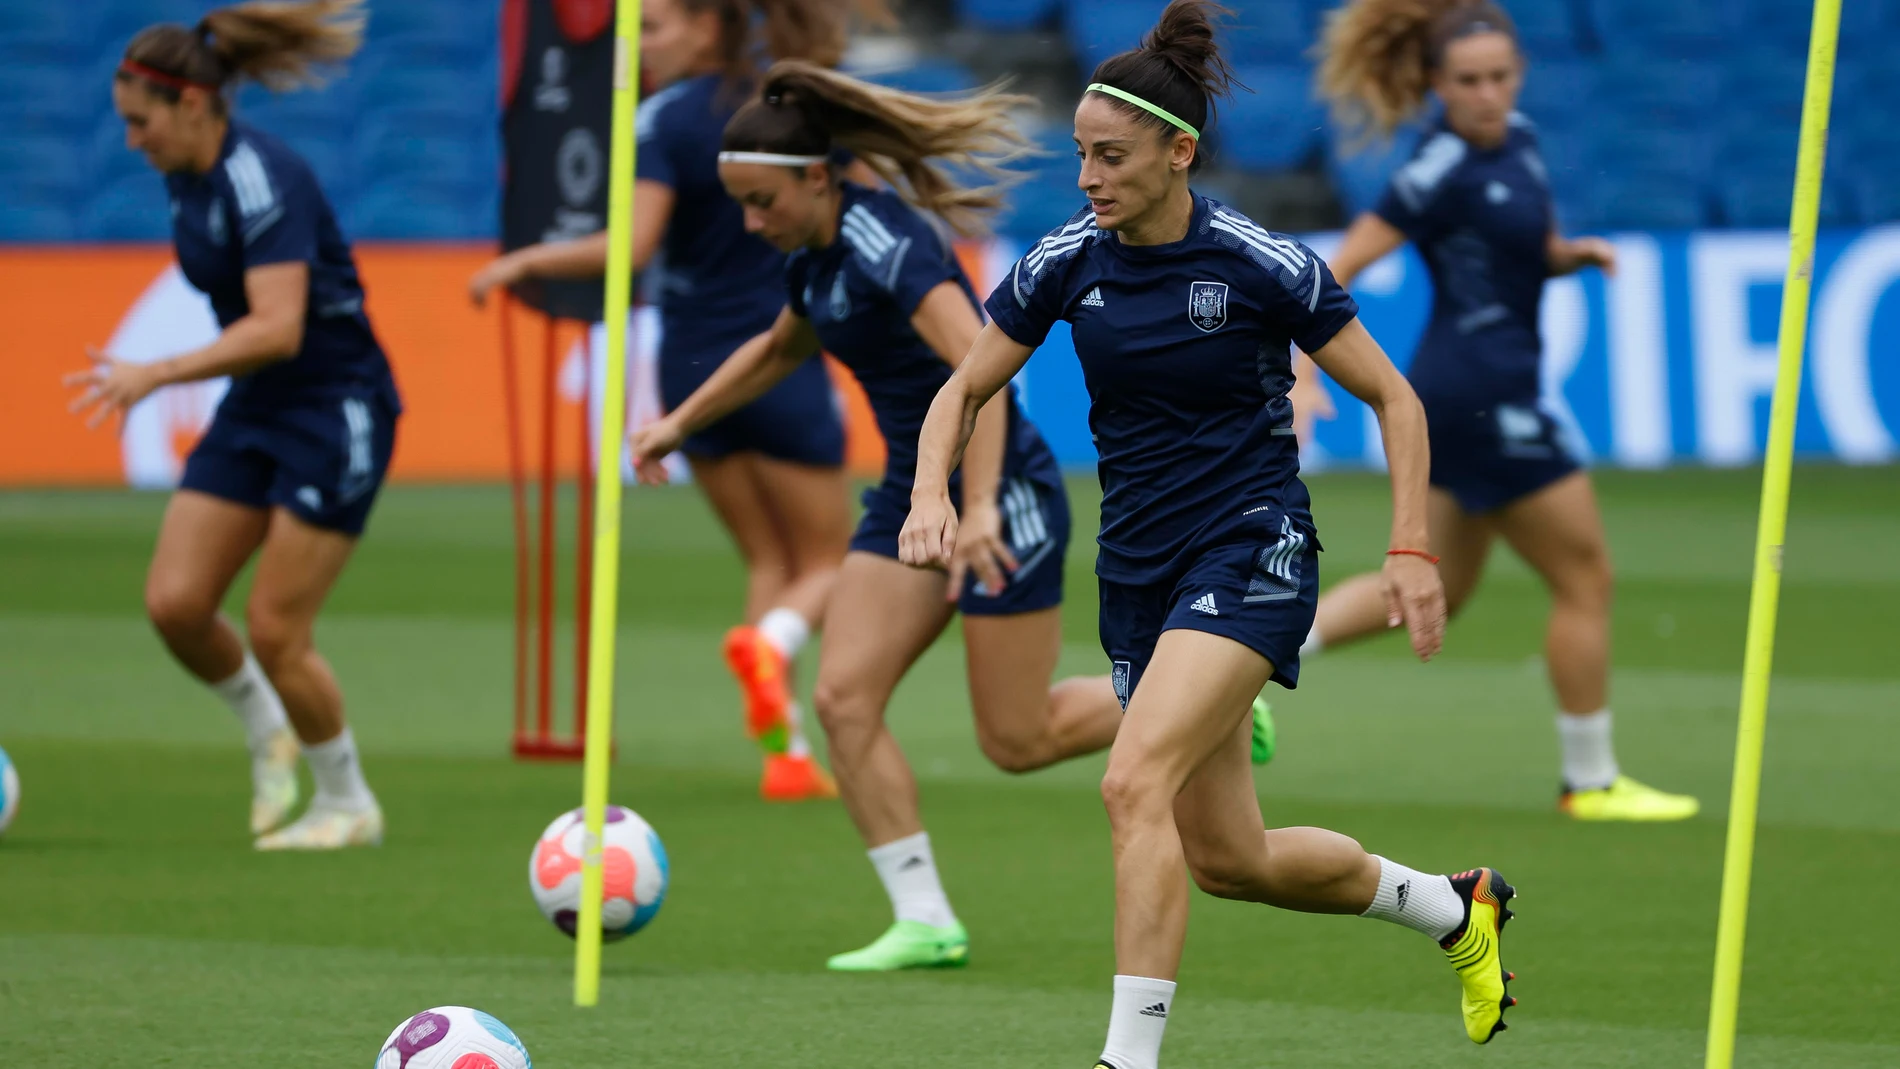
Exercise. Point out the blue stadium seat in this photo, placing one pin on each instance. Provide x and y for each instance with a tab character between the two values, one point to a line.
1682	92
1763	85
403	144
330	112
1276	127
1635	200
1570	163
427	80
1040	205
134	208
1664	27
1361	176
47	31
1762	200
50	96
1008	14
104	155
423	211
1547	28
1634	146
928	76
27	218
1560	94
1876	194
444	24
1277	31
45	163
1099	29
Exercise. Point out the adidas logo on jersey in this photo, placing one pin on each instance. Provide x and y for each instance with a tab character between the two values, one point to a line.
1094	299
1205	603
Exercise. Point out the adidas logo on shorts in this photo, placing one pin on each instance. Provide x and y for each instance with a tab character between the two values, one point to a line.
1205	603
1094	299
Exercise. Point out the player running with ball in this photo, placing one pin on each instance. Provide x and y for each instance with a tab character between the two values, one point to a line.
1475	199
1183	311
293	459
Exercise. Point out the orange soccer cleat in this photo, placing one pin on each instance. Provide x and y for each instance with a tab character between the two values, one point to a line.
789	778
765	680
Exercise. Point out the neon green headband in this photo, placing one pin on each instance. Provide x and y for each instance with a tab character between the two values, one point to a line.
1152	109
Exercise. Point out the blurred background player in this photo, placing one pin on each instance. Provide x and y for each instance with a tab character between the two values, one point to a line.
876	283
1183	311
296	453
772	470
1476	201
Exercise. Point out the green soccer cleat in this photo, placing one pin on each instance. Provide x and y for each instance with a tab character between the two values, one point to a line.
908	945
1474	951
1265	739
1628	800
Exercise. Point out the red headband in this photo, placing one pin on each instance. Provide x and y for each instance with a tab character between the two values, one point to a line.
159	77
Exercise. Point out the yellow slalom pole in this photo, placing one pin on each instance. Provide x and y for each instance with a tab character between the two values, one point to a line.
613	414
1745	794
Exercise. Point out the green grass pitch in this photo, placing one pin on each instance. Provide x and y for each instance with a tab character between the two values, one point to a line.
137	927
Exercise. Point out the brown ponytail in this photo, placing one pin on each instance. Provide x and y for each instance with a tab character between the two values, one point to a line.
281	44
815	30
1377	56
805	110
1179	68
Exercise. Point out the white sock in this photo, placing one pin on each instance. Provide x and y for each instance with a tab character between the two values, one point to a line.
339	775
909	872
249	694
1136	1022
785	630
1421	902
795	743
1313	644
1589	756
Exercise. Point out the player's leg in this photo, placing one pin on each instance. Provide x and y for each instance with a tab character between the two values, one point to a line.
203	542
883	616
733	489
1023	722
1179	791
1355	607
811	510
1558	530
299	564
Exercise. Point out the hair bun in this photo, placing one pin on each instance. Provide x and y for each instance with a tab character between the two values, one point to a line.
1184	37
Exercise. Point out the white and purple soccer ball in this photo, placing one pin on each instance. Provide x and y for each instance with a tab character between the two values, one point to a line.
9	792
453	1037
633	870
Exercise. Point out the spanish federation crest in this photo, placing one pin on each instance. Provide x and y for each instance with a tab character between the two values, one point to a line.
1207	305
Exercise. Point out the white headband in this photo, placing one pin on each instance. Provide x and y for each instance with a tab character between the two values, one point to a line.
775	159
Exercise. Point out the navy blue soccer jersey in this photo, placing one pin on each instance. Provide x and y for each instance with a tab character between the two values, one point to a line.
1480	219
1185	352
260	204
860	292
708	265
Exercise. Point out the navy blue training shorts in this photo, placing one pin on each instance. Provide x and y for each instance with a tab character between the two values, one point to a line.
324	461
796	421
1261	596
1035	522
1488	458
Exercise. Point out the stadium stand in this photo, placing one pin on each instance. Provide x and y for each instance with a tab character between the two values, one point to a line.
1665	115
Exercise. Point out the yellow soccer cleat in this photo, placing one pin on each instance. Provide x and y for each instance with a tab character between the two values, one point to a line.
1474	951
1627	799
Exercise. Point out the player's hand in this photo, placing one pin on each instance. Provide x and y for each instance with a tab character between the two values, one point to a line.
650	446
1599	253
1415	597
501	271
929	537
982	549
111	386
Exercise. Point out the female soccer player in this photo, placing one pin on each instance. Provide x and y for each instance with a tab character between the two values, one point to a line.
772	470
296	453
1475	199
1182	312
876	282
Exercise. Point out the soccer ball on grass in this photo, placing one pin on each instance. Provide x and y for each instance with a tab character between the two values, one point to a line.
633	870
